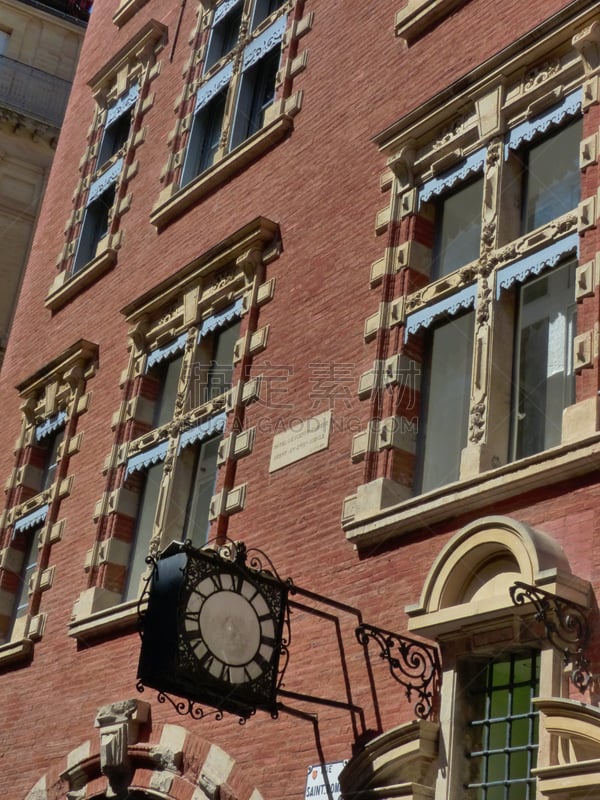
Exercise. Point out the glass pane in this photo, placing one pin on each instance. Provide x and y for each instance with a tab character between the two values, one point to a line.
224	36
52	445
520	791
458	229
202	489
552	185
521	699
448	398
30	558
519	733
94	227
519	765
501	673
204	138
544	373
257	91
219	378
499	703
115	136
145	523
168	373
498	735
494	793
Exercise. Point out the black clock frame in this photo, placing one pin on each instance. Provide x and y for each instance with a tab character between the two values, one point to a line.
168	662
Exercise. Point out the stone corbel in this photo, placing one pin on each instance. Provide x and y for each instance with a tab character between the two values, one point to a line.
119	727
587	43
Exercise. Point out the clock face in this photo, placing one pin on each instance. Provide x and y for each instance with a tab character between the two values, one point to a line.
229	627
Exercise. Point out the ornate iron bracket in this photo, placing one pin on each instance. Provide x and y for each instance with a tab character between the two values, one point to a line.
416	665
566	625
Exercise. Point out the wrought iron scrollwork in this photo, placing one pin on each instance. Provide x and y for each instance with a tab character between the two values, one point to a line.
413	664
566	625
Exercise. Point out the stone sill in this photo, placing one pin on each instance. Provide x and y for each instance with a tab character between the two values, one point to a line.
13	652
58	297
182	199
109	621
544	469
418	15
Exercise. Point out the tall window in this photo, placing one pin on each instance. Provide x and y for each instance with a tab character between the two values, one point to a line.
238	83
502	729
544	381
443	432
552	178
181	388
105	178
457	228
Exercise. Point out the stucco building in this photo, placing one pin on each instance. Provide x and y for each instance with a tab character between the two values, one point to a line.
39	47
324	279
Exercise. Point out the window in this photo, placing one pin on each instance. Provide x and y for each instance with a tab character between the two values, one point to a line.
458	228
179	386
447	398
544	380
93	232
551	185
238	83
4	42
502	729
53	399
181	429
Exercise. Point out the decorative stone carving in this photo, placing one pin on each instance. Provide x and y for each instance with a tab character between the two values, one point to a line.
119	724
540	73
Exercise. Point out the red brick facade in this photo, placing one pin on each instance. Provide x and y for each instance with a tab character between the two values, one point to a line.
295	222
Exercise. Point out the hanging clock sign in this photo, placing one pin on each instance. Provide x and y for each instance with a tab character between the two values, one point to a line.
213	629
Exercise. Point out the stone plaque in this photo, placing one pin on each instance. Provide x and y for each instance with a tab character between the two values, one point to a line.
303	438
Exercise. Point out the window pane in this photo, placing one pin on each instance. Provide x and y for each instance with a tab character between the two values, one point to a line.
552	178
52	446
457	228
94	227
544	378
30	557
256	95
224	36
219	379
201	491
263	9
204	137
143	534
114	137
168	374
447	399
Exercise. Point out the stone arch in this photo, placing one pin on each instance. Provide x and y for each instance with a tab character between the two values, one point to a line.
471	576
172	763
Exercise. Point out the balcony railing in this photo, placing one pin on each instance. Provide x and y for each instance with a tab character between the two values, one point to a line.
32	92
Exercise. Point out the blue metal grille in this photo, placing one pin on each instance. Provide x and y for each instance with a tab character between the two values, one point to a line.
503	729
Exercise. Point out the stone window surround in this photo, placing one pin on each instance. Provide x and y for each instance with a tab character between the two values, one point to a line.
231	271
279	119
55	393
495	98
479	619
134	64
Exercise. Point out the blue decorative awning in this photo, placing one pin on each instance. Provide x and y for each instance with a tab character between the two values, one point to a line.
223	9
105	180
51	424
31	520
533	264
264	43
459	301
528	130
147	458
221	319
205	430
123	104
213	86
166	352
436	186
